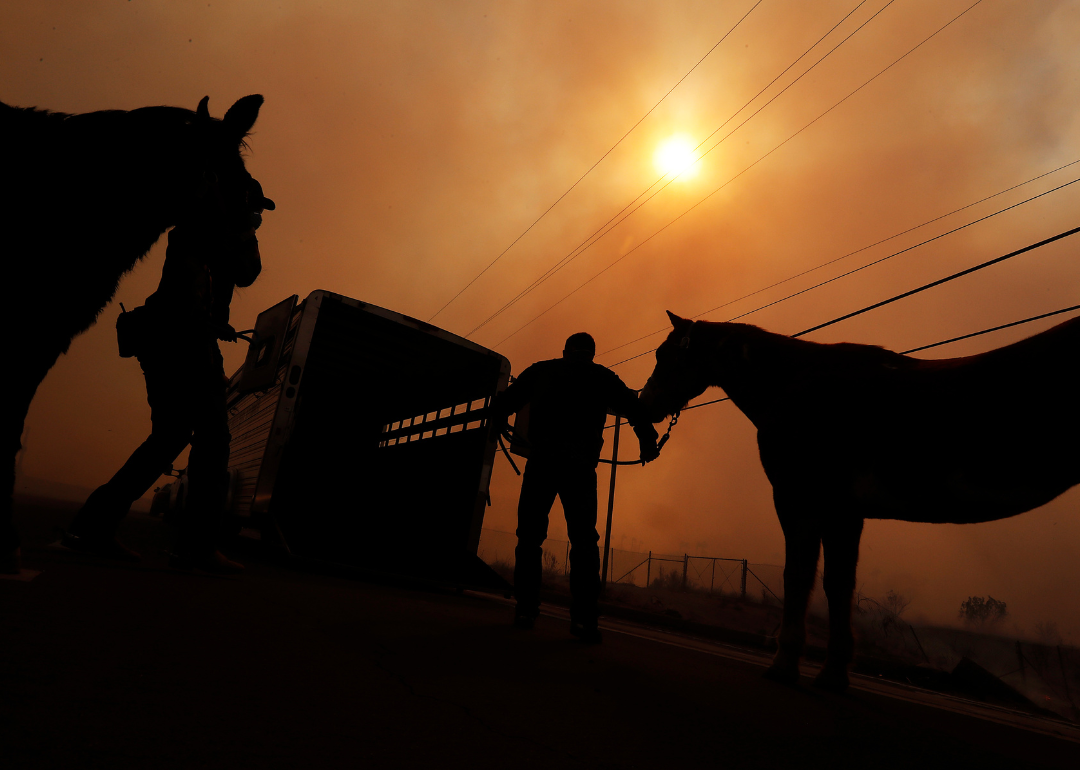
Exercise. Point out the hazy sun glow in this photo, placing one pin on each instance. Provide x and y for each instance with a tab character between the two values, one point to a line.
676	155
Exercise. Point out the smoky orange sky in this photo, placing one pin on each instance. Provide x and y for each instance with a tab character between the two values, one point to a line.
407	144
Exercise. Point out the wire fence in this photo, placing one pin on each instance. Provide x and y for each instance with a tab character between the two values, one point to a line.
497	549
1052	671
711	574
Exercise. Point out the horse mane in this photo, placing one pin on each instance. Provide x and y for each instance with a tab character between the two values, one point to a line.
1057	347
44	126
828	354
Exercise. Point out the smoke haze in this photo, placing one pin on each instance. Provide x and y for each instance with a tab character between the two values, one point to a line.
408	144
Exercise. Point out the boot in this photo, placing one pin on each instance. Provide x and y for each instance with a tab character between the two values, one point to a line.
588	633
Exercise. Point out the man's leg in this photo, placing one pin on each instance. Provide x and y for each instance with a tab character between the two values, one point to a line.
208	467
95	525
578	495
538	488
107	505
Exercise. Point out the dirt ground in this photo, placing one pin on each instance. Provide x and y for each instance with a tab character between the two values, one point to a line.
1047	676
140	666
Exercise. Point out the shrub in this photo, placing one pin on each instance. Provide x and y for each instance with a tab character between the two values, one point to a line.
551	567
981	613
670	580
1047	633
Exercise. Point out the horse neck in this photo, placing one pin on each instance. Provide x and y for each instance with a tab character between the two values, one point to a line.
746	362
133	162
104	186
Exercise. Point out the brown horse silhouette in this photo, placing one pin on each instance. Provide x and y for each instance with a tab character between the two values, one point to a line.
851	432
83	198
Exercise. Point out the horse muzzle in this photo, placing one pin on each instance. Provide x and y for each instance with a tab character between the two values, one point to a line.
650	405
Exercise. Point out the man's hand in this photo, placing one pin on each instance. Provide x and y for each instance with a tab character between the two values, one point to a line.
647	437
227	333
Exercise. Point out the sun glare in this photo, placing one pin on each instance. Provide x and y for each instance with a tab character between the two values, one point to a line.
676	156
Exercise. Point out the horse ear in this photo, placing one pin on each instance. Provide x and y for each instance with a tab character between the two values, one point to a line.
675	320
202	111
241	116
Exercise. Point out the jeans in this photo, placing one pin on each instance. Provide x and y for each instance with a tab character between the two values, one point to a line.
575	485
186	390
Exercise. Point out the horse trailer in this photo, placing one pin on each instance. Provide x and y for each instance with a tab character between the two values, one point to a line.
360	437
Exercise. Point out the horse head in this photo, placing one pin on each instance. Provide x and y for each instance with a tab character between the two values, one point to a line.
680	373
223	202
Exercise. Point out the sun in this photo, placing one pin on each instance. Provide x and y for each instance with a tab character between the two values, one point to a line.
675	156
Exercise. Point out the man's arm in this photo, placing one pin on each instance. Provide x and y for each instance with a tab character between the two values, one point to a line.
625	401
512	399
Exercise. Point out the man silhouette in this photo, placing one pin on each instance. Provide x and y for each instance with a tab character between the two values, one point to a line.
178	331
568	399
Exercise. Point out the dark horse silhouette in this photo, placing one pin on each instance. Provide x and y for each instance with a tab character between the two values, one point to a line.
851	432
82	199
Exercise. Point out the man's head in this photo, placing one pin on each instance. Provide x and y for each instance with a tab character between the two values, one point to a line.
579	347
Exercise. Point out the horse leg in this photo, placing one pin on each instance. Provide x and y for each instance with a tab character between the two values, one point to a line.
26	374
14	415
802	542
841	543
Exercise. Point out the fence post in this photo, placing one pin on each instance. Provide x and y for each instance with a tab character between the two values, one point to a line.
610	500
712	578
685	561
648	570
742	588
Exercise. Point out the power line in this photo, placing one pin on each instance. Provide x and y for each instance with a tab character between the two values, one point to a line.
845	256
732	179
940	281
876	261
607	227
993	329
594	165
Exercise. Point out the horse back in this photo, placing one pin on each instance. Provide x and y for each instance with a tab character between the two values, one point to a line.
73	215
962	439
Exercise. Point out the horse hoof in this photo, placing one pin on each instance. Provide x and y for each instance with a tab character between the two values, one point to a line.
782	674
832	681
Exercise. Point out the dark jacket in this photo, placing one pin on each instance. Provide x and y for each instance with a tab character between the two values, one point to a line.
568	404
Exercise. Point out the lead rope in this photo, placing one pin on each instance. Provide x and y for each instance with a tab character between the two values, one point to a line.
502	446
508	433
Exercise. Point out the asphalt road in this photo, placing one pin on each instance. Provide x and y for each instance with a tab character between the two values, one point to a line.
144	667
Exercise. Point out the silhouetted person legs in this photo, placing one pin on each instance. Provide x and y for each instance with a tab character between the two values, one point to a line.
539	486
578	494
576	487
208	475
186	391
